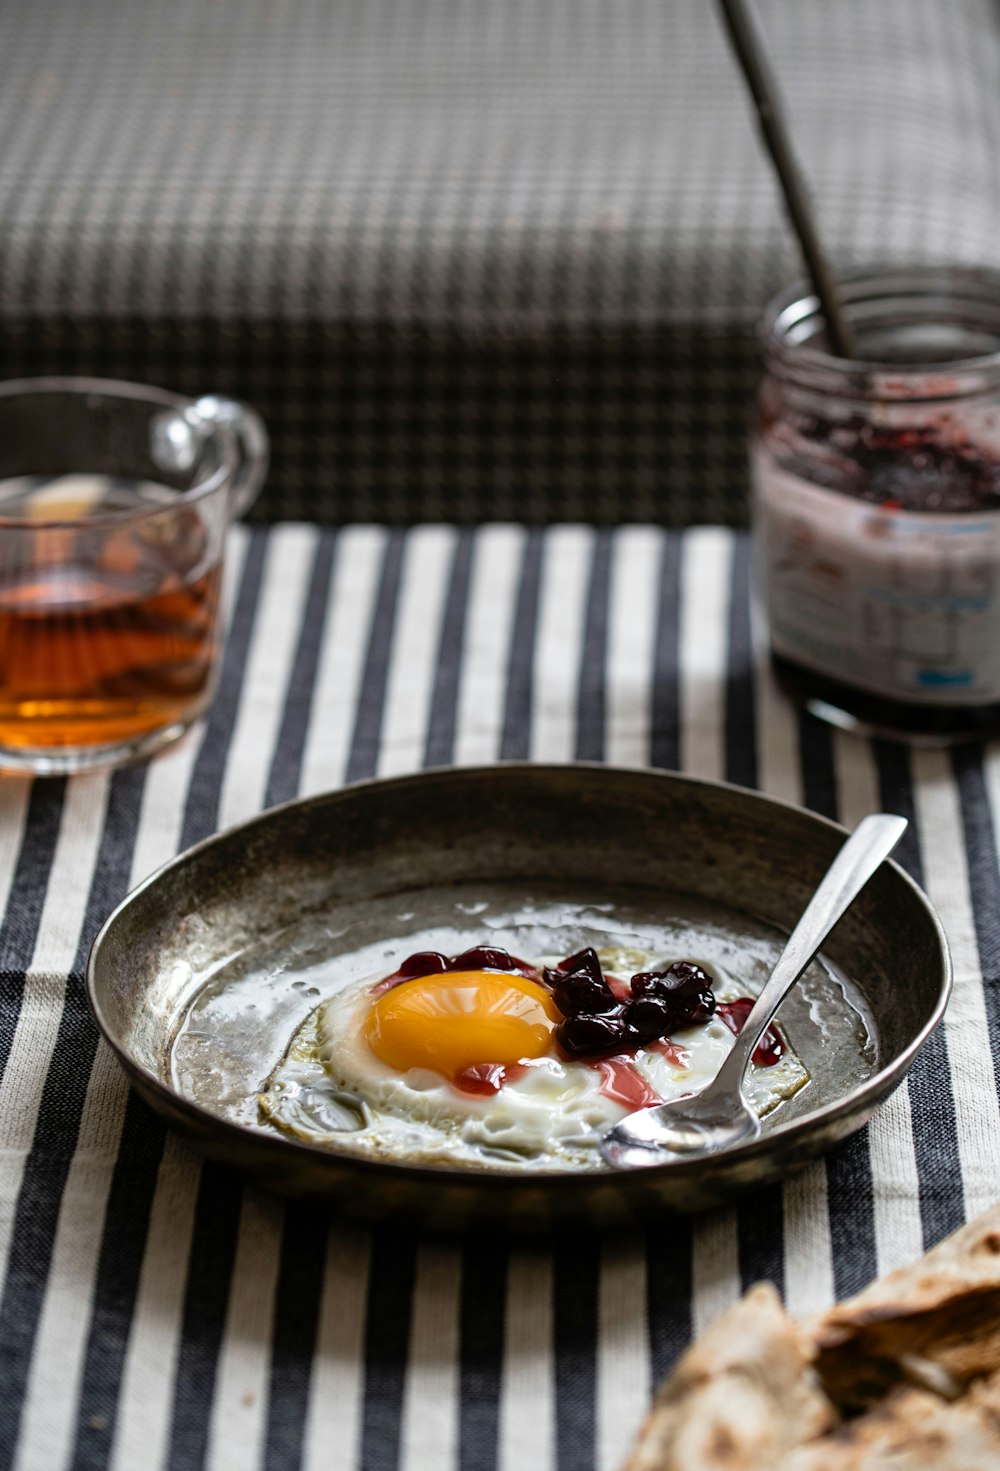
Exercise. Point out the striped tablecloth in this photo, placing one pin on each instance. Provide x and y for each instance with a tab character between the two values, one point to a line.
155	1312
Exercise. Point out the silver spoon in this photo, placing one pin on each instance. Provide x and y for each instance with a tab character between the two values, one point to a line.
720	1116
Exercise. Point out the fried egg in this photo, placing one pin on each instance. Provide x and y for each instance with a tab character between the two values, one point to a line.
463	1067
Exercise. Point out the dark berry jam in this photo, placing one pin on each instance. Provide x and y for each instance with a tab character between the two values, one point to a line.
584	960
581	993
648	1018
602	1019
683	988
592	1036
433	963
490	957
423	963
921	470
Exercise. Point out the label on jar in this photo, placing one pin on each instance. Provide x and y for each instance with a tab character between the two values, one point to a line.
903	604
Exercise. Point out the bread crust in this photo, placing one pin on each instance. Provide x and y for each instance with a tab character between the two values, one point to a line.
943	1310
742	1396
905	1376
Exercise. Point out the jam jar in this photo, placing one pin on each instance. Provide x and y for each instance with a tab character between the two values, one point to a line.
876	504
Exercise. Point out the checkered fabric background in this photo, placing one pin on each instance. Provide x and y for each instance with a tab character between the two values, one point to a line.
470	258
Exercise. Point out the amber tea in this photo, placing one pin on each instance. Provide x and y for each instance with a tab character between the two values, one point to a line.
115	504
108	620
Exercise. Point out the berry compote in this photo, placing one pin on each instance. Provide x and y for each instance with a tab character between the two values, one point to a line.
605	1020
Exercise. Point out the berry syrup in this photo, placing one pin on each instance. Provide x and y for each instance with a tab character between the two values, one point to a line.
770	1049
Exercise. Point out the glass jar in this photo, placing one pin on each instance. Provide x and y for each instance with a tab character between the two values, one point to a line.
876	504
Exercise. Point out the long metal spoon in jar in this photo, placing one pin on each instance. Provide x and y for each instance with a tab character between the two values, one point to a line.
720	1116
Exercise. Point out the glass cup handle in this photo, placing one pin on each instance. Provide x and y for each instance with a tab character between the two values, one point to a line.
252	442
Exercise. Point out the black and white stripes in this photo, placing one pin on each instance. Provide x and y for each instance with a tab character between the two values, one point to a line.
159	1315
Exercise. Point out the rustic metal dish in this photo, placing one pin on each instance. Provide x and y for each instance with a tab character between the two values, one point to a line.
200	977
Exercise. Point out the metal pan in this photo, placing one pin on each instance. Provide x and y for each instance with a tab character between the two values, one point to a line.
199	978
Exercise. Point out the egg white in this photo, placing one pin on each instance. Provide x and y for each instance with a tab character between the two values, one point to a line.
551	1118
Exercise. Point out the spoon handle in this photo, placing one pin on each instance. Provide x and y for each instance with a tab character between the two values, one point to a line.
747	37
869	844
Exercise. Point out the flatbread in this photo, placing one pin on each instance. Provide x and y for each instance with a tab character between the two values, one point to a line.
913	1430
742	1396
905	1376
943	1311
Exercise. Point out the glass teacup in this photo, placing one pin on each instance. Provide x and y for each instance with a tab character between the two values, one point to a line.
115	499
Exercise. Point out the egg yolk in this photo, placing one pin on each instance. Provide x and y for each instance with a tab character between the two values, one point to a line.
457	1019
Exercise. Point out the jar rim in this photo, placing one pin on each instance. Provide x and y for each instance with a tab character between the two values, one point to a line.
955	291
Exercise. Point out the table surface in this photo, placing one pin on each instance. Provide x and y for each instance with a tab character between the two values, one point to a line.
158	1313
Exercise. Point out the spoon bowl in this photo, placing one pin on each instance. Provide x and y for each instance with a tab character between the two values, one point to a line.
701	1124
